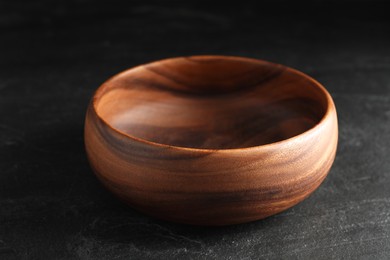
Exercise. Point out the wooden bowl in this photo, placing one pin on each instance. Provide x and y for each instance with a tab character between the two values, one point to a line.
211	140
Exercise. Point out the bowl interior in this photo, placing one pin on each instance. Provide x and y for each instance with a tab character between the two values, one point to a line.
211	102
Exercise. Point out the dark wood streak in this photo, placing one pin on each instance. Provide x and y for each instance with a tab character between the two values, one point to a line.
265	194
116	145
188	89
185	89
234	207
211	156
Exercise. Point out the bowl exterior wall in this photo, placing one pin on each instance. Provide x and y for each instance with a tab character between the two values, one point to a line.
211	187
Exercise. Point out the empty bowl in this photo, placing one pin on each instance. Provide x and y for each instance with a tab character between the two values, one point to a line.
211	140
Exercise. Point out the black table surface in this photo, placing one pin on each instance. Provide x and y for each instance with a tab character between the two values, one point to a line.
55	54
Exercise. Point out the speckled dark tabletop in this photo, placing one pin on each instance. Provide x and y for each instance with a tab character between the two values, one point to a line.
53	56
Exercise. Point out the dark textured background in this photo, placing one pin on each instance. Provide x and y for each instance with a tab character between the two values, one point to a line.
54	54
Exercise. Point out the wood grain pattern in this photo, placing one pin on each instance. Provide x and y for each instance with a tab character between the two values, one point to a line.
211	140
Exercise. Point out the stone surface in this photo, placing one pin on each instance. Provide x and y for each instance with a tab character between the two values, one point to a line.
53	56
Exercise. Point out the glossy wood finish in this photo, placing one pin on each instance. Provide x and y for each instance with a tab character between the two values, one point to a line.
211	140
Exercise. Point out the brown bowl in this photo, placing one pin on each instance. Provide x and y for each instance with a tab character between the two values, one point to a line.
211	140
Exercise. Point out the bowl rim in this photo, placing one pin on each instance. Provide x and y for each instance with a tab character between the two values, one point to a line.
330	107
